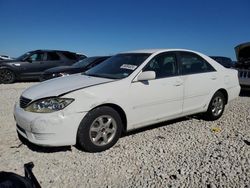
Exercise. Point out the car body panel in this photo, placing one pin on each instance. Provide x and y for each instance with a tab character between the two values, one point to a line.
195	95
164	104
58	86
55	129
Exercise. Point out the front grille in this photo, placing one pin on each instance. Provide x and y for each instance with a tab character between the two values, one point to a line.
244	74
48	76
24	102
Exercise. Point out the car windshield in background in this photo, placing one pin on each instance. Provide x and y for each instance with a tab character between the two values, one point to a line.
118	66
22	57
225	61
85	62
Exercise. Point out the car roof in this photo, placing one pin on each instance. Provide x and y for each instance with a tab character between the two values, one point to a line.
99	56
152	51
40	50
219	57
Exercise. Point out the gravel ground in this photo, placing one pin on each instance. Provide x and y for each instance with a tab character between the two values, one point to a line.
187	152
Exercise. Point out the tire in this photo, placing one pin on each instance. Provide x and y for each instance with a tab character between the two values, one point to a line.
7	76
99	130
216	107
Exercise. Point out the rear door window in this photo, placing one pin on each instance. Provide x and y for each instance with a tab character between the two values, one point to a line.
52	56
192	64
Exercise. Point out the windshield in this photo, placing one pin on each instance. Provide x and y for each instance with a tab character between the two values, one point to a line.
118	66
24	56
85	62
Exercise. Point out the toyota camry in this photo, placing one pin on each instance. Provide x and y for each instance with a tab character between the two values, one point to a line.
127	91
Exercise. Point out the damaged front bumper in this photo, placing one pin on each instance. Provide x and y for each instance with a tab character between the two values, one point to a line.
48	129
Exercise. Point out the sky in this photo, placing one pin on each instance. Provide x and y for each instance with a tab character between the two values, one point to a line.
106	27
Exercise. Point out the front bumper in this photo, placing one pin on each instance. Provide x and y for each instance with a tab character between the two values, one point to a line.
45	77
48	129
244	77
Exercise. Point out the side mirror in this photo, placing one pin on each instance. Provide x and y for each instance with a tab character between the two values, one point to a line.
147	75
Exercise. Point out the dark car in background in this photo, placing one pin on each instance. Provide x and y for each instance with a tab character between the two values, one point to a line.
224	61
243	64
31	65
80	66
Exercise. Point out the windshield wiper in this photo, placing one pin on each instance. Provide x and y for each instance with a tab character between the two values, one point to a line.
94	75
99	76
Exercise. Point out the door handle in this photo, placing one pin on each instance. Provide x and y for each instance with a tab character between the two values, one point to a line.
213	78
178	83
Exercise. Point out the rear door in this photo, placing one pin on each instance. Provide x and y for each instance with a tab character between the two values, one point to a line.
69	58
199	81
52	59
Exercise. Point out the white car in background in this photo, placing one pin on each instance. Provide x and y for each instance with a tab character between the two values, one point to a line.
128	91
5	57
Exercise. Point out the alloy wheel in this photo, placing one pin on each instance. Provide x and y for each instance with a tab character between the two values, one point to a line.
102	130
6	76
217	106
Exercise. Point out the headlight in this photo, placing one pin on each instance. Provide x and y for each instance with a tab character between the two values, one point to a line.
59	74
63	74
48	105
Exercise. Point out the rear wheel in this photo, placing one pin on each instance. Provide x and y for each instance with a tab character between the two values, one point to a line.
6	76
216	107
99	130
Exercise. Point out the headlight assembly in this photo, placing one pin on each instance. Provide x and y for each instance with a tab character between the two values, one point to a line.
59	75
48	105
63	74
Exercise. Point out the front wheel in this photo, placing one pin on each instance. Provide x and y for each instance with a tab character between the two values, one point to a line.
216	107
6	76
99	130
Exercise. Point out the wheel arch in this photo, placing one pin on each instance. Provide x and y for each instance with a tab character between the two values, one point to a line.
120	111
224	92
10	68
7	67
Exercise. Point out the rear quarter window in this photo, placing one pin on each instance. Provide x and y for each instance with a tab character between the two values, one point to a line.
70	56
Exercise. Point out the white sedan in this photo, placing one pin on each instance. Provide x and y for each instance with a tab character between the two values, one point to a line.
127	91
5	57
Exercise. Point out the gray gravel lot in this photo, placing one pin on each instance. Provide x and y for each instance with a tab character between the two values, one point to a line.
187	152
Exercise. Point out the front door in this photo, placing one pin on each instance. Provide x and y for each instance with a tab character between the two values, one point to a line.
159	99
31	67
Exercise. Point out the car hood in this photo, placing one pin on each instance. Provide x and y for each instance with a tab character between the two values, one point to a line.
9	61
62	85
63	69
